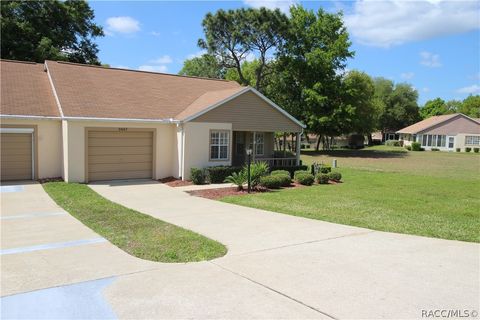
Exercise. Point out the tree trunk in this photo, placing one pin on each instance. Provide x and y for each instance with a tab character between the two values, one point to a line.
370	139
318	143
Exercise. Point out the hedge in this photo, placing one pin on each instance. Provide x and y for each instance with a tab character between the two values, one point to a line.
291	170
218	174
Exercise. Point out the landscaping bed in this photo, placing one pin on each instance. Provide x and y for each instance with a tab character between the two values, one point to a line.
138	234
218	193
175	182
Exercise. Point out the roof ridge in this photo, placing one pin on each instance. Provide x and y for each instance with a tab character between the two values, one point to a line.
19	61
141	71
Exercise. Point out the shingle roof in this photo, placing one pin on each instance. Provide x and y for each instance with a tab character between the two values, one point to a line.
90	91
427	123
25	90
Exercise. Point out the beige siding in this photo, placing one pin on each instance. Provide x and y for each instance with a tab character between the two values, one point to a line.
454	126
197	146
249	112
16	156
115	154
48	145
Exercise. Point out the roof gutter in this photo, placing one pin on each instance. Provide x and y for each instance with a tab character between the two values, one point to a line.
24	117
169	121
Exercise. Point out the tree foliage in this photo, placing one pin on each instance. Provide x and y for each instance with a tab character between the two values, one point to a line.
397	104
56	30
309	70
471	106
204	66
235	34
434	107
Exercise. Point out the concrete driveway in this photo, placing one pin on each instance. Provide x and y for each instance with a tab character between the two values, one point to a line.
278	266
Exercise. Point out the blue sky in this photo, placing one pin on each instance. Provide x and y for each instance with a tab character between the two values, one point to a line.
432	44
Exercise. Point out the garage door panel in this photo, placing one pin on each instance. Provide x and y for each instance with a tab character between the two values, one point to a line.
120	155
119	159
135	166
120	142
117	175
16	156
98	151
114	134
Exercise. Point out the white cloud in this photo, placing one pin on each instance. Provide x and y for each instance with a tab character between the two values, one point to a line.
425	89
430	60
470	89
155	33
152	68
197	54
125	25
407	75
284	5
393	22
165	59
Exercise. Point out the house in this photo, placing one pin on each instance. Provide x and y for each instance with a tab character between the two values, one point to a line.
87	123
446	132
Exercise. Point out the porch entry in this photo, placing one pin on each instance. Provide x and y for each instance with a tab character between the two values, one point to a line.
262	145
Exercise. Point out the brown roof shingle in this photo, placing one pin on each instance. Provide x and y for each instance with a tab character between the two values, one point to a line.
25	90
89	91
427	123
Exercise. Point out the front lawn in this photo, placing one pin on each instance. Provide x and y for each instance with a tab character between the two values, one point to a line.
136	233
437	198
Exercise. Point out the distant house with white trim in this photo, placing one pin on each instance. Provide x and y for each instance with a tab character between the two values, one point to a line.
446	132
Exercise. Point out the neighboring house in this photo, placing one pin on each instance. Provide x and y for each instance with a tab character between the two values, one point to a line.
87	123
446	132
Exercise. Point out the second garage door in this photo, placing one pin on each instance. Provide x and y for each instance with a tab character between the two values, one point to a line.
119	154
16	156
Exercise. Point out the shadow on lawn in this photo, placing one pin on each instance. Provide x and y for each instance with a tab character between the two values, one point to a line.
346	153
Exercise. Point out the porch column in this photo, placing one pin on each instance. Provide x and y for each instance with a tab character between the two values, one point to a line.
254	149
298	148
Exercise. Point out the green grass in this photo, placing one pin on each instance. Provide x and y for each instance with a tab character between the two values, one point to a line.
136	233
432	194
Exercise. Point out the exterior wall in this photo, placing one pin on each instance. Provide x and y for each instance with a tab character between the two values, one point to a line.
197	146
75	144
454	126
268	144
460	141
48	145
249	112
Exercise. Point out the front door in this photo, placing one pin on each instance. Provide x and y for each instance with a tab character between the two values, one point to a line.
239	148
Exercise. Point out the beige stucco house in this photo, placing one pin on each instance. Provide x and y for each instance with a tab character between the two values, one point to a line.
446	132
87	123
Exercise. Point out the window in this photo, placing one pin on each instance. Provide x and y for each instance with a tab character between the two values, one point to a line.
472	140
429	140
219	143
424	140
259	143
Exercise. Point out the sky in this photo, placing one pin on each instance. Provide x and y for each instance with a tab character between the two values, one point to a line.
432	44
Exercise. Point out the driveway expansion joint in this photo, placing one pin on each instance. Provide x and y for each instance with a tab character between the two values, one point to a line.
275	291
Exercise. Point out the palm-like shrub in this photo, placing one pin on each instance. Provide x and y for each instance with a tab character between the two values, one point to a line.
237	179
257	170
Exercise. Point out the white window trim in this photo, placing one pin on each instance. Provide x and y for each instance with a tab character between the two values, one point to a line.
218	145
472	138
262	134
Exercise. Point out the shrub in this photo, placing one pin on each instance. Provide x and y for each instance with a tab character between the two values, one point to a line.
298	172
237	178
392	143
197	175
476	150
457	149
322	178
335	176
280	172
305	179
218	174
320	168
409	148
416	146
468	149
271	182
285	179
434	149
290	169
257	170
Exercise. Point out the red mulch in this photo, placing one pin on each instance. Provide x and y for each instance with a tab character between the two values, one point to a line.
218	193
174	182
